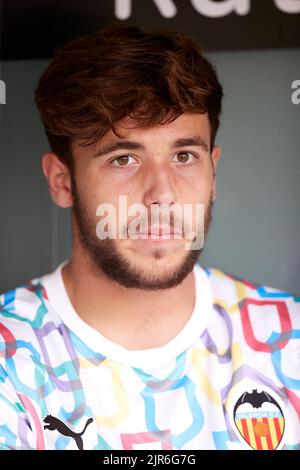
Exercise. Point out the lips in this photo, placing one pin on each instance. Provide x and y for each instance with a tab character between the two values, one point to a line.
163	233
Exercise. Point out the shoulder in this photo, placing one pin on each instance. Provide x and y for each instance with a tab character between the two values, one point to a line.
249	299
22	310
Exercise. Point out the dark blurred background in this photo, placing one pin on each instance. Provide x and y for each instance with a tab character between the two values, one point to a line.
255	46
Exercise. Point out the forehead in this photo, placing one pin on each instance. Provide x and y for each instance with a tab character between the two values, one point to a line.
127	129
186	124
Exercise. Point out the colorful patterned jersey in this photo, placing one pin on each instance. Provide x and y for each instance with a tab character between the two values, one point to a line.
229	380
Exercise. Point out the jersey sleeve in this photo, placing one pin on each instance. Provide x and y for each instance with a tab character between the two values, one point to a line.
16	431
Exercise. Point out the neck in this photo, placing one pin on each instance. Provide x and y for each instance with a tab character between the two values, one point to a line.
133	318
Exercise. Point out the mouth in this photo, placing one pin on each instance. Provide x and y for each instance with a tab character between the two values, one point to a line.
157	234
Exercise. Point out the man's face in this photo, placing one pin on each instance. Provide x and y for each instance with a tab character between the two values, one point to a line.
170	164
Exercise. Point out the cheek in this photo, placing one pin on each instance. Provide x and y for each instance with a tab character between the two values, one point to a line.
197	178
197	190
98	189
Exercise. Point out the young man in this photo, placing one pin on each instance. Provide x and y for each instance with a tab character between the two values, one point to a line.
130	344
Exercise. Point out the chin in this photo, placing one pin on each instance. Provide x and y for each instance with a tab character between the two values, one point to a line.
158	265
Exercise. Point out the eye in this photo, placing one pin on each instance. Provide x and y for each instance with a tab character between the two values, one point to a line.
184	157
123	160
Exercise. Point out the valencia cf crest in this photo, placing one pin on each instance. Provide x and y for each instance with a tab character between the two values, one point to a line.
259	420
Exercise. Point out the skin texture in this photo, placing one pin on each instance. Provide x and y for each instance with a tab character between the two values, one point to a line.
150	291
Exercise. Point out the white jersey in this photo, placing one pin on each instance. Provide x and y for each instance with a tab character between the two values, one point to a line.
229	380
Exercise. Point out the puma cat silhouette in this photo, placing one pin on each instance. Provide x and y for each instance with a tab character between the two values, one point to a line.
53	423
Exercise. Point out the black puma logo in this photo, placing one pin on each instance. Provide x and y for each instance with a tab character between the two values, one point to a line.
53	423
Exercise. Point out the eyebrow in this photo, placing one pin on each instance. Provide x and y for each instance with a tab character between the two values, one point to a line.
196	141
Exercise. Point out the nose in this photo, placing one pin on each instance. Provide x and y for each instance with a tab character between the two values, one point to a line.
159	186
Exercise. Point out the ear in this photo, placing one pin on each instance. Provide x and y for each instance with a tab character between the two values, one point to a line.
59	180
215	157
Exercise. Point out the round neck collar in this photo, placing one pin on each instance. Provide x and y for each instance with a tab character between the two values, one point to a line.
144	358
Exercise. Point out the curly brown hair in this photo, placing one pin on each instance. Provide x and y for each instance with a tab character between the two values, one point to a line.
95	81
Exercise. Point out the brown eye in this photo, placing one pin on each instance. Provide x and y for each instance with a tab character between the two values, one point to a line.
123	160
184	157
